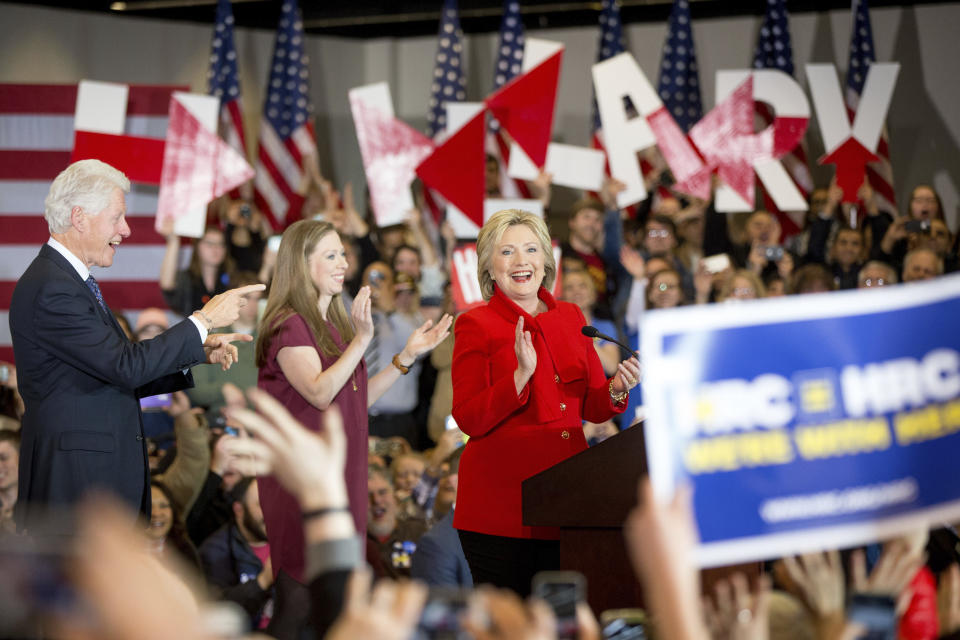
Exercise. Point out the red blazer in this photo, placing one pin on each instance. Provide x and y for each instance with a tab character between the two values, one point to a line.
511	437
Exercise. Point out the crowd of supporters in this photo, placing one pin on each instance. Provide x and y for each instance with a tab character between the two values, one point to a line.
617	264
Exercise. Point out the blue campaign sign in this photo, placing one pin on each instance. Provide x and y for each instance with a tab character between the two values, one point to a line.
807	422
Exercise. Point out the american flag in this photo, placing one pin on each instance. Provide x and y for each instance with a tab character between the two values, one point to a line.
774	51
448	79
447	86
880	174
679	83
509	64
223	80
287	145
36	138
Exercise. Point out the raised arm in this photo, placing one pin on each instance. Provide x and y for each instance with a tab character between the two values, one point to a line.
428	250
302	366
423	340
168	266
186	475
66	324
489	384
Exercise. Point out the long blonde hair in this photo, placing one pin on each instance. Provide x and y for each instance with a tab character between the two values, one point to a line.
293	291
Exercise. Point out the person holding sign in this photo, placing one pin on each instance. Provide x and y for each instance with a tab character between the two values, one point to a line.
310	354
524	379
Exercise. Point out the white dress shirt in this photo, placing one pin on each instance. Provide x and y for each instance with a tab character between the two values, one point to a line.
84	273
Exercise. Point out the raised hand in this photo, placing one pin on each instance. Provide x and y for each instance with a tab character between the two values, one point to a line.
179	405
628	375
219	350
223	309
757	259
388	612
233	395
414	218
633	262
222	458
425	338
447	443
540	188
309	465
526	356
834	197
895	233
891	576
609	191
165	228
448	233
128	592
362	315
739	613
817	579
661	538
510	618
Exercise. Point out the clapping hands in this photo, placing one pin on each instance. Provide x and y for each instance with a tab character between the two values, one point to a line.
309	465
362	315
526	356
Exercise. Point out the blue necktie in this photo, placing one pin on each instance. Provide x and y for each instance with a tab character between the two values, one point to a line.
96	291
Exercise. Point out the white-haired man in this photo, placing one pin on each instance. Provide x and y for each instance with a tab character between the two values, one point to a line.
79	375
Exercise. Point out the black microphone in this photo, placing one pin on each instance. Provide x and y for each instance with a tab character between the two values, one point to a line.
592	332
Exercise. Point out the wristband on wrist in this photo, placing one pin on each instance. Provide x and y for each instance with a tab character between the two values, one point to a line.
323	511
396	362
205	319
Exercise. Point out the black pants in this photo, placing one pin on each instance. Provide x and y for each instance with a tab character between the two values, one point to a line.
508	562
291	613
387	425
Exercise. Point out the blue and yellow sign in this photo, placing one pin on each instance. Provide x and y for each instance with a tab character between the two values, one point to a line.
809	422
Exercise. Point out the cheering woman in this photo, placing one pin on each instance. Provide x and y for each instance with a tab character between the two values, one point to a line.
524	379
310	355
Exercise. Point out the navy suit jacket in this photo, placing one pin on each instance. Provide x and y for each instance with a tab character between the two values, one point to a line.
439	559
81	380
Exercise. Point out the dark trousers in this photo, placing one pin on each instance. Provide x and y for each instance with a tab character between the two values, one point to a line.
291	613
508	562
387	425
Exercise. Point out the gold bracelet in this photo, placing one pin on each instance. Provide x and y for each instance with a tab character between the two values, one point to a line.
618	398
204	317
396	362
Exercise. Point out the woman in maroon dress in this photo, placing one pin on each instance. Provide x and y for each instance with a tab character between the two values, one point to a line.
310	355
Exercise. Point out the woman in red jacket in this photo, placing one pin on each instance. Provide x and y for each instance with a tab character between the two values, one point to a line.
524	379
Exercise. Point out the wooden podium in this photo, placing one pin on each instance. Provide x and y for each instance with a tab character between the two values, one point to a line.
589	496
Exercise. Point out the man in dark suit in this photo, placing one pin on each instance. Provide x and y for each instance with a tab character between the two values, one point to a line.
80	377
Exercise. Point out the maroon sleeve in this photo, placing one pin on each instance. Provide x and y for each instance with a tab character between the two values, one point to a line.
294	332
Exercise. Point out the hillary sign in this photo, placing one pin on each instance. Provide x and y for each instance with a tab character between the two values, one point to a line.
819	421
